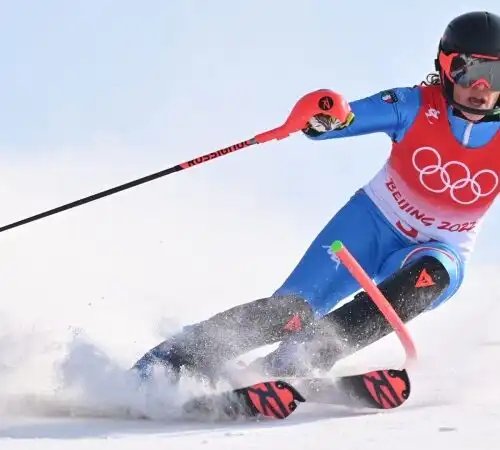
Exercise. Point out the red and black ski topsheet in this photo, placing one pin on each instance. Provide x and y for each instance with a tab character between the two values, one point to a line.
380	389
275	399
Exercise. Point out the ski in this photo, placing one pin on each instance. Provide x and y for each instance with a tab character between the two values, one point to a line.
277	399
274	399
378	389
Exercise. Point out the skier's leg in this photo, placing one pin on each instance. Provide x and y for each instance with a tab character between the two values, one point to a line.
322	280
203	348
319	277
414	280
206	346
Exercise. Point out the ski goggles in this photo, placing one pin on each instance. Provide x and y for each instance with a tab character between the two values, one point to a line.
471	70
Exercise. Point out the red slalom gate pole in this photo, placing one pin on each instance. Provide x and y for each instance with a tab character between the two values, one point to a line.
378	298
322	101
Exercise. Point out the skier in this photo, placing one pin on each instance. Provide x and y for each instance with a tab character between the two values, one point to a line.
412	227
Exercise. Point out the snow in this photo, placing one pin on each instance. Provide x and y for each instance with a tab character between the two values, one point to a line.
85	293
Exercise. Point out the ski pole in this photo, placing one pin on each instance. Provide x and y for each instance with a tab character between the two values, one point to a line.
322	101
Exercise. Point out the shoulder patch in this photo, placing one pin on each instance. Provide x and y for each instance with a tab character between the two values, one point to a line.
389	96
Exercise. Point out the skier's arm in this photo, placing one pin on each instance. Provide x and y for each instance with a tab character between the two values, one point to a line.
390	112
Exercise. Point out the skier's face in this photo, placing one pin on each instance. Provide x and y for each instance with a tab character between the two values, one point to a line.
477	97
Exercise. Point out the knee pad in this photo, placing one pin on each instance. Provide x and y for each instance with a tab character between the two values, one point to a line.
451	262
416	286
410	291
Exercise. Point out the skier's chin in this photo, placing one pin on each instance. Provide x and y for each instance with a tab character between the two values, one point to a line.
473	117
477	103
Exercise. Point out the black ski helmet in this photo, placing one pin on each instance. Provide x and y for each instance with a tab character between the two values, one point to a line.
473	33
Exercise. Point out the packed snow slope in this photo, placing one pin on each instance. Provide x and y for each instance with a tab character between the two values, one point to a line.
86	292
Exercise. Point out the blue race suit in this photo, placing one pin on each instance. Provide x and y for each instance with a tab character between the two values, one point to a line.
378	246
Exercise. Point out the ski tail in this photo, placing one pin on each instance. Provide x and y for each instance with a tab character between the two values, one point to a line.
378	389
381	389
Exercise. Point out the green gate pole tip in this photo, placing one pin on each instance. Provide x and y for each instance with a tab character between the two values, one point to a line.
337	246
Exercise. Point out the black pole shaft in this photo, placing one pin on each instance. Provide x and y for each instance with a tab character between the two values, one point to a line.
131	184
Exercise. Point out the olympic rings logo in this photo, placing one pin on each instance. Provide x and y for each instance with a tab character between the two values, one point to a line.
455	187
